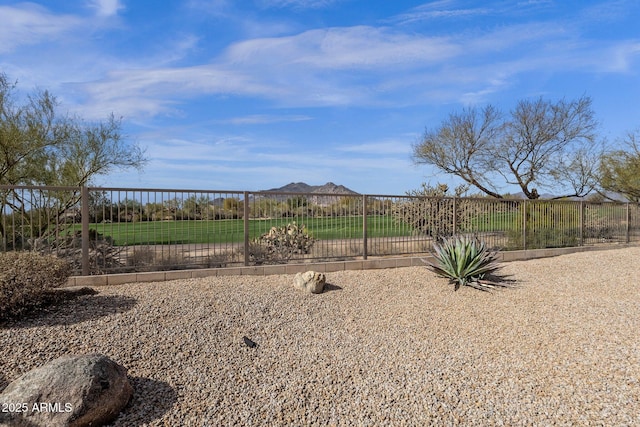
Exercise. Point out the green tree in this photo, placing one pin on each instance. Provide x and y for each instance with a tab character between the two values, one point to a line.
196	207
620	169
539	144
296	202
233	207
40	146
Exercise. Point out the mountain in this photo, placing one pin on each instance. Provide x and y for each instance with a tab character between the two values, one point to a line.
302	187
323	192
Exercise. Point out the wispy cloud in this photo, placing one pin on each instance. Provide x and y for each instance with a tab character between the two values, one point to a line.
608	11
621	58
359	47
258	165
445	9
297	4
106	8
359	66
27	24
262	119
159	91
335	66
378	148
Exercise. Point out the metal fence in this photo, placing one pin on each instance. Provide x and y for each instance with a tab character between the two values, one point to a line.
111	230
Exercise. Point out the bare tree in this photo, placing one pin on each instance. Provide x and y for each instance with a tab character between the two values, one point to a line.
541	144
579	172
461	146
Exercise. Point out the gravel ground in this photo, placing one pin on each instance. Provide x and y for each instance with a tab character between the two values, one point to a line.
379	347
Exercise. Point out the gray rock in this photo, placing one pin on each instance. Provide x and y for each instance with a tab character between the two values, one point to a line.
310	282
84	390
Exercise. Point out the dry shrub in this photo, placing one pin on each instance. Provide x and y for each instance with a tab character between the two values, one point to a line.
146	258
431	211
27	278
220	260
141	256
280	244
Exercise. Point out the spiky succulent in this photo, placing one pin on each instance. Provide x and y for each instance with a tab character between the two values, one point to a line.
465	261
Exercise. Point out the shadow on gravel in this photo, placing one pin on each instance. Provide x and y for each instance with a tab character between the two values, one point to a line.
68	307
151	400
496	281
328	287
7	419
3	383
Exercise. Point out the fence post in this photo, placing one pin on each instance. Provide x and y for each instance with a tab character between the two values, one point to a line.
455	217
524	225
245	218
84	218
628	237
581	222
364	227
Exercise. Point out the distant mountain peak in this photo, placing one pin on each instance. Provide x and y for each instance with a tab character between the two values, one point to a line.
303	187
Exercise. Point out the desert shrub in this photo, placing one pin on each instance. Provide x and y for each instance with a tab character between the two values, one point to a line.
601	232
431	211
220	260
258	253
146	258
279	244
171	261
598	225
141	256
548	225
465	261
26	278
103	254
544	238
550	238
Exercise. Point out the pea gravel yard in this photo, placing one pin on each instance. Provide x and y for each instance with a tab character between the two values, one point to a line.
379	347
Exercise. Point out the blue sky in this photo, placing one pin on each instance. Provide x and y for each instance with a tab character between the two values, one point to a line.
254	94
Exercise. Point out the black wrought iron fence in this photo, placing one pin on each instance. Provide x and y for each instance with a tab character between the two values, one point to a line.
109	230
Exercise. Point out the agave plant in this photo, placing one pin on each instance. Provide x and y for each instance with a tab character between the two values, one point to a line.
464	261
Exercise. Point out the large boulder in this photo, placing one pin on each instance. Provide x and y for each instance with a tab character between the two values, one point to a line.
84	390
310	282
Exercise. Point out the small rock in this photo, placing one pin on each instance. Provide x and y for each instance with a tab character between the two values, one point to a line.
310	282
249	343
74	391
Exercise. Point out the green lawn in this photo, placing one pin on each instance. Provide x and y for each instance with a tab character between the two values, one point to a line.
232	230
322	228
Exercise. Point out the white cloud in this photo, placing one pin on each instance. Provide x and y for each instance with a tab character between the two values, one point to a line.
621	57
437	10
159	91
27	24
220	149
378	148
356	65
297	4
106	8
261	119
343	48
608	12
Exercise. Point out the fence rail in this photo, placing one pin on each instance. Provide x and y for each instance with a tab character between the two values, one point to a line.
109	230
